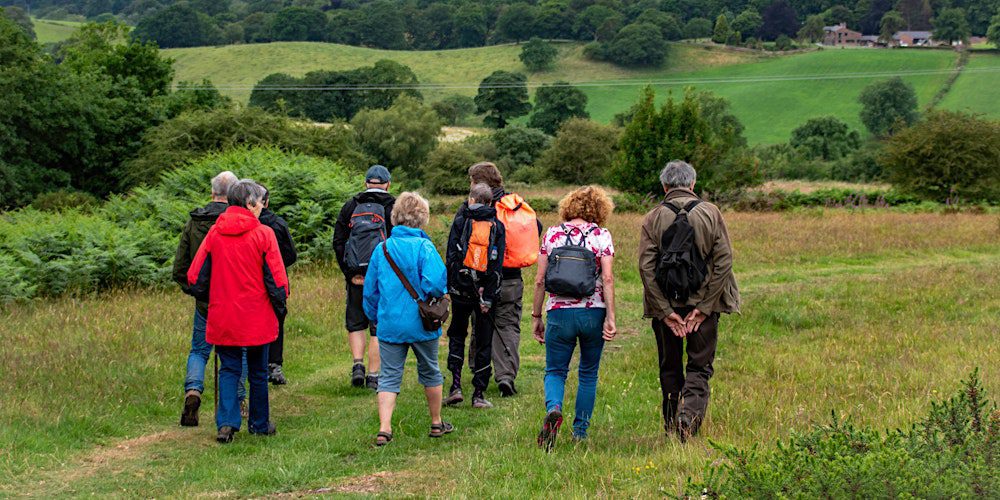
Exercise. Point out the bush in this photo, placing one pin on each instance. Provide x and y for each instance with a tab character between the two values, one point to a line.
538	55
447	168
784	43
57	201
400	137
947	155
195	134
581	150
950	453
520	145
454	108
131	240
825	138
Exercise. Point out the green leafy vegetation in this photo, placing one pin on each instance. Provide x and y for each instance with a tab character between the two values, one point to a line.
130	240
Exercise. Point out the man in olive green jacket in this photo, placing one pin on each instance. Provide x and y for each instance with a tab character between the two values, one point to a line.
685	389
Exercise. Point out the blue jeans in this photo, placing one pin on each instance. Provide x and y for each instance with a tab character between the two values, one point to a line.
229	379
198	360
393	358
566	327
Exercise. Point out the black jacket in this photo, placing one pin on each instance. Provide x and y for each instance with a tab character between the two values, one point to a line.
280	227
490	281
510	273
202	219
342	229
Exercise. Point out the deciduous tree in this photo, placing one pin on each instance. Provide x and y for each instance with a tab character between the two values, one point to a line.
888	105
556	103
502	96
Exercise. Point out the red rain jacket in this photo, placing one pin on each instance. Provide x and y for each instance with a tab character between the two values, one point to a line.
238	270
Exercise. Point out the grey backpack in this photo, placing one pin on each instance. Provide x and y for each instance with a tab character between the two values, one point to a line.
367	231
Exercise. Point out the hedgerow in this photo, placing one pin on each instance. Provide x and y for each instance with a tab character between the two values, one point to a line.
130	240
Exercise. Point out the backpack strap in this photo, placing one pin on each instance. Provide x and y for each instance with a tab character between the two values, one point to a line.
399	273
690	206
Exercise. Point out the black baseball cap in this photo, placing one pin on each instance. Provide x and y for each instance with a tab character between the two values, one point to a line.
378	174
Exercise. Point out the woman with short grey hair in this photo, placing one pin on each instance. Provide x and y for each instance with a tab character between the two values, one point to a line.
388	304
238	270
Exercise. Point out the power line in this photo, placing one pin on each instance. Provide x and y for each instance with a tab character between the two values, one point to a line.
600	83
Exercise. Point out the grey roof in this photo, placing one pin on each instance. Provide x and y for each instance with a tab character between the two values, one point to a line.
926	35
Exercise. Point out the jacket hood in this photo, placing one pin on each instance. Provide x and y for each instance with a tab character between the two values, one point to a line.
209	212
267	216
481	212
408	232
498	193
236	221
375	196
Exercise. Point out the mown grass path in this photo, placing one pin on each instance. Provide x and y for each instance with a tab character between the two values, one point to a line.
871	315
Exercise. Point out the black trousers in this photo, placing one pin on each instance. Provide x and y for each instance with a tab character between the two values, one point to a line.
277	348
481	348
685	388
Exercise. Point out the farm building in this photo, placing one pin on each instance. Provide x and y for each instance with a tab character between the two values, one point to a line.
840	35
914	39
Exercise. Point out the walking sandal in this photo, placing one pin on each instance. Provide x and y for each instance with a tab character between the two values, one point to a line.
383	438
438	430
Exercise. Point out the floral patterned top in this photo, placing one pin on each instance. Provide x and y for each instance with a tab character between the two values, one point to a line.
599	242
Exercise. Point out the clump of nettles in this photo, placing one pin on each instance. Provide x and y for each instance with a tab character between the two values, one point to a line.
952	453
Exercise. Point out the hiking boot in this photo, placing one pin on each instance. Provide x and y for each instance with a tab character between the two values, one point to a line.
225	434
507	388
275	375
685	428
550	429
270	431
670	414
358	375
454	397
371	382
189	417
244	409
480	401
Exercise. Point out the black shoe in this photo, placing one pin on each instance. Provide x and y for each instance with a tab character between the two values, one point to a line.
507	388
550	429
358	375
670	414
685	428
225	434
189	417
371	381
271	430
275	375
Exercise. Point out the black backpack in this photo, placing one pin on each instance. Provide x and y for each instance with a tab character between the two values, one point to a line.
367	231
680	269
572	268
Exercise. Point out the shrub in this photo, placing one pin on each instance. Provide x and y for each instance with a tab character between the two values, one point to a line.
825	138
454	108
784	43
399	137
581	151
195	134
947	155
538	55
130	240
447	168
520	145
950	453
57	201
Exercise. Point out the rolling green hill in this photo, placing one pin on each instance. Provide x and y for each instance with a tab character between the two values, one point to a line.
976	91
771	94
49	31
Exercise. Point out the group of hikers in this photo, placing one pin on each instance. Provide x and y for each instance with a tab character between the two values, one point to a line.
233	255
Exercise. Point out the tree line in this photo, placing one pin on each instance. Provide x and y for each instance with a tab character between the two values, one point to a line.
420	25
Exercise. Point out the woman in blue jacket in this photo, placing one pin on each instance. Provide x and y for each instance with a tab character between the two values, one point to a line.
390	306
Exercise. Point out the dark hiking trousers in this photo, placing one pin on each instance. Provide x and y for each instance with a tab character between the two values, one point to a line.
480	350
276	350
686	384
507	336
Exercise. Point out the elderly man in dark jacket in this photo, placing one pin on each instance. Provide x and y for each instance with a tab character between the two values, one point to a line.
202	219
375	198
685	389
276	352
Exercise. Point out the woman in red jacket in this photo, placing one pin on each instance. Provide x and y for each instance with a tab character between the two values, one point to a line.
239	272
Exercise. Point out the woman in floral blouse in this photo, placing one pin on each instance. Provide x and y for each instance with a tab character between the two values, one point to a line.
588	321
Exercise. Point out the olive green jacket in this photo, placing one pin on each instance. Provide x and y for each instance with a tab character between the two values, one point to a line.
719	293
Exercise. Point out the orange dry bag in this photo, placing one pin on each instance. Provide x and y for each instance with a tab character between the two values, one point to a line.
477	253
521	226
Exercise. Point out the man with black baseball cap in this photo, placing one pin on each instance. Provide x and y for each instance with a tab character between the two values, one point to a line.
364	222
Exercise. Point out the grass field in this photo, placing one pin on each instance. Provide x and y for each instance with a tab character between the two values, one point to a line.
976	92
50	31
771	94
871	314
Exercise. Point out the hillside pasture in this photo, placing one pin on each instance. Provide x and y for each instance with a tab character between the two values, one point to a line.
49	31
92	387
771	94
975	90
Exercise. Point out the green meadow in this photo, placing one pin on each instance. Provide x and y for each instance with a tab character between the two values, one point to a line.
49	31
976	89
771	94
871	314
